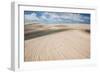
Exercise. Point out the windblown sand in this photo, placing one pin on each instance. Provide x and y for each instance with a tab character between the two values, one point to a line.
73	43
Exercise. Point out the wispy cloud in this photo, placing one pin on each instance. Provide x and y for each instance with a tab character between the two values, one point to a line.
56	17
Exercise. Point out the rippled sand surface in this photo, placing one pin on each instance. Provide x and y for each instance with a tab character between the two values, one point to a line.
54	43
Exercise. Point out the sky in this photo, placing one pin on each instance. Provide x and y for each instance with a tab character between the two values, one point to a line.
45	17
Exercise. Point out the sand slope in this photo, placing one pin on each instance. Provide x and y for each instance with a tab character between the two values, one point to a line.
68	44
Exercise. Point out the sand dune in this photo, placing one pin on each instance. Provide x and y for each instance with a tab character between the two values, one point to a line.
36	27
68	44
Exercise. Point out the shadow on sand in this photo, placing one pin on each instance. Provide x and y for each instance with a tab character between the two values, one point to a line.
40	33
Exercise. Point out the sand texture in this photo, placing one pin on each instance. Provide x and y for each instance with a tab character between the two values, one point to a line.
56	42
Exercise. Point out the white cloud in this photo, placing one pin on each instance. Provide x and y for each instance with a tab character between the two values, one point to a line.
55	17
30	18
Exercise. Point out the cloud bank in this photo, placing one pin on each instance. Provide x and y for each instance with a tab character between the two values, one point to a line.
55	17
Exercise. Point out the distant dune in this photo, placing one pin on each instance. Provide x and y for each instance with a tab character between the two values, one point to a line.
57	42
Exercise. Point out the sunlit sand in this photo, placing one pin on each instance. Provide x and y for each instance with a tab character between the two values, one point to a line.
56	42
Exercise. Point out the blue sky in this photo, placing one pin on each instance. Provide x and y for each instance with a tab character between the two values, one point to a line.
55	17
